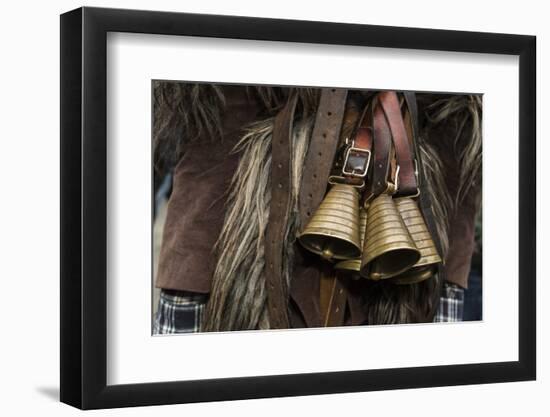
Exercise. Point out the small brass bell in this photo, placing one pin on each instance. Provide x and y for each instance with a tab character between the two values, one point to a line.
425	267
354	265
389	249
333	231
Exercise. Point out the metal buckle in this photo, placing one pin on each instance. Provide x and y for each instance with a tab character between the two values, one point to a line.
396	181
361	173
416	175
393	186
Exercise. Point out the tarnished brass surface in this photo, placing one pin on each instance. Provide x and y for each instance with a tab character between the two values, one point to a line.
412	217
414	275
354	265
333	231
388	249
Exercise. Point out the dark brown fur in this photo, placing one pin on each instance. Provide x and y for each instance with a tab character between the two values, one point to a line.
185	112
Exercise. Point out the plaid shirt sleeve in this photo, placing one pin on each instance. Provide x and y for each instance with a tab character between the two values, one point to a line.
179	312
451	304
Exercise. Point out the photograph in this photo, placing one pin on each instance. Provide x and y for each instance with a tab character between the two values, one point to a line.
282	207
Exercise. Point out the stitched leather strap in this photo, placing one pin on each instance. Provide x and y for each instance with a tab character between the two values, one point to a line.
322	150
407	172
281	185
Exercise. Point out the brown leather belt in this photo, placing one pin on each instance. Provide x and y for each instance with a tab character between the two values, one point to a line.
405	159
280	206
318	164
382	153
353	161
411	124
334	311
322	150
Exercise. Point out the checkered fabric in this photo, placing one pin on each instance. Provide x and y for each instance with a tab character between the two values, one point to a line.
179	312
451	304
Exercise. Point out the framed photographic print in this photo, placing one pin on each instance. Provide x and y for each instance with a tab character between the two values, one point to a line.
257	208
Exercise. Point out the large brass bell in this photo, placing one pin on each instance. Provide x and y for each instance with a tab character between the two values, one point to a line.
354	265
425	267
389	249
333	231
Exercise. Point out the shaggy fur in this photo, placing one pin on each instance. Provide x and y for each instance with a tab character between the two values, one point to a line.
183	113
186	112
238	297
387	303
457	121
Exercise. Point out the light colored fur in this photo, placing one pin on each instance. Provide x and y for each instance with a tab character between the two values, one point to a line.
462	115
238	298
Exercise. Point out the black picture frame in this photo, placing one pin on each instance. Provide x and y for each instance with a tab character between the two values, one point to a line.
84	207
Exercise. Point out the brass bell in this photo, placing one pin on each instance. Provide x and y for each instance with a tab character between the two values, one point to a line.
413	219
333	231
389	249
354	265
414	275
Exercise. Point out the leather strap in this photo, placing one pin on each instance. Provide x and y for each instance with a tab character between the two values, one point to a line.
412	128
363	135
411	124
336	308
363	139
410	99
281	186
353	162
357	160
382	152
407	172
322	150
